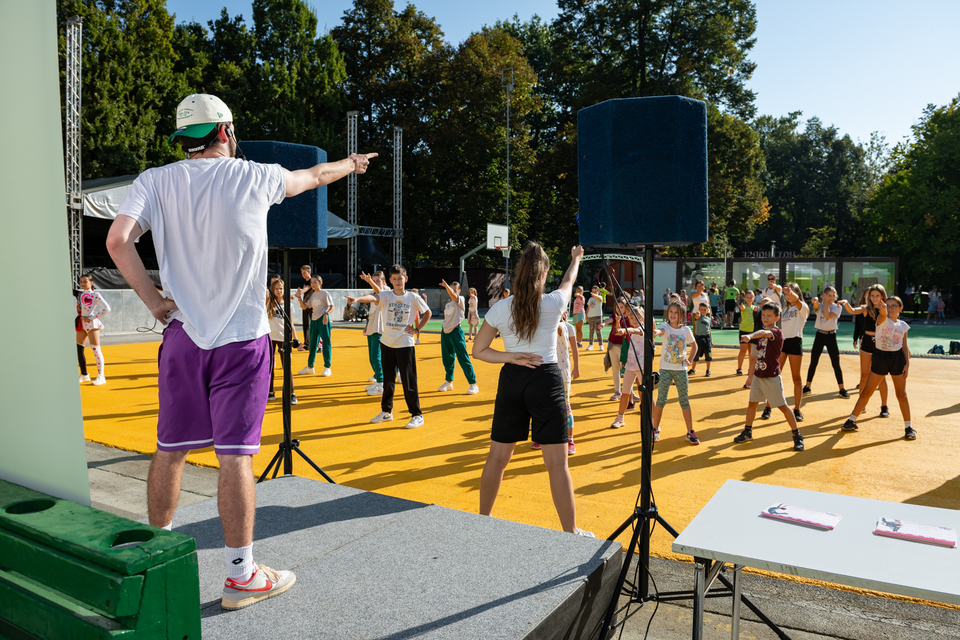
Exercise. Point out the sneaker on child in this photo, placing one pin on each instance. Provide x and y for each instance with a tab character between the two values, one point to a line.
798	442
617	422
84	378
264	583
473	389
382	417
850	425
99	380
306	371
327	372
446	386
415	421
571	447
375	390
909	433
534	445
692	438
745	436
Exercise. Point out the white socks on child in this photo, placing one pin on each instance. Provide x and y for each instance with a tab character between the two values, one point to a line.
99	356
239	562
853	418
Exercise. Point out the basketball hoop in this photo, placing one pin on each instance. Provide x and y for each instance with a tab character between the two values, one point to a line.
505	250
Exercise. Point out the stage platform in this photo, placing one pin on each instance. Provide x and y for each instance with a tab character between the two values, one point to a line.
371	566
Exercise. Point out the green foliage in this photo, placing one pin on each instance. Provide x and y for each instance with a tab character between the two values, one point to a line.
816	180
128	84
915	213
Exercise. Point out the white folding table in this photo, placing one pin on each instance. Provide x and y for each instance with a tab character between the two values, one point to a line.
730	529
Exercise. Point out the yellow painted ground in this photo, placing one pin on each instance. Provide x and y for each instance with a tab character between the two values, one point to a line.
440	463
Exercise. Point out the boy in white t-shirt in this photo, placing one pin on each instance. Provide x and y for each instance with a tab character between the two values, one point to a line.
399	308
453	344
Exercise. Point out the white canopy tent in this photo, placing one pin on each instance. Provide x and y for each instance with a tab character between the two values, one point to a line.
102	198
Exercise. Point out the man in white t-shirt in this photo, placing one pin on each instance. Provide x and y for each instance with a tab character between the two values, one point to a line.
207	213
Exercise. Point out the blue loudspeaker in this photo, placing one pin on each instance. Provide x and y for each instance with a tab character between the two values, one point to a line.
643	172
299	222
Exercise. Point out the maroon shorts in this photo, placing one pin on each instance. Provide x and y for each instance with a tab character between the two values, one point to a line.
212	397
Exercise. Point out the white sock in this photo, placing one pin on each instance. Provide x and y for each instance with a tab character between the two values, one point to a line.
853	418
239	562
99	356
907	424
169	527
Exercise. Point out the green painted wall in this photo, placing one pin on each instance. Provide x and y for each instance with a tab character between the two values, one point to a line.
41	425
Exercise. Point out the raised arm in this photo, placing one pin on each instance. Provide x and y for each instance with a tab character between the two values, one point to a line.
123	232
450	292
326	172
576	254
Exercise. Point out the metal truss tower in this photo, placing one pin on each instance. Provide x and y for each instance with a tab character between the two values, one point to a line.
73	174
398	195
352	201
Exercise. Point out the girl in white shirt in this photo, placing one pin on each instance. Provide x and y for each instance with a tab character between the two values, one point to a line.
530	396
892	357
674	362
828	314
92	308
791	322
276	315
473	317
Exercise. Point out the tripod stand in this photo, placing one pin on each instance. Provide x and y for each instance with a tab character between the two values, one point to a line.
645	515
289	445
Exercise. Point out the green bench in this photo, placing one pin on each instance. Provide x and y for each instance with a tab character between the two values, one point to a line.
72	572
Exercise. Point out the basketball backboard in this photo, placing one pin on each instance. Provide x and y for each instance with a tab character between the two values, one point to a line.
498	235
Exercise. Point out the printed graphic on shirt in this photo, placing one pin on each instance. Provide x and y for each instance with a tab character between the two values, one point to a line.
762	354
890	335
398	313
674	349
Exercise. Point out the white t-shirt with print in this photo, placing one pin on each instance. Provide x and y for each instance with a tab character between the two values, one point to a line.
472	302
398	313
564	332
209	222
792	320
544	341
674	349
890	335
821	323
453	314
634	352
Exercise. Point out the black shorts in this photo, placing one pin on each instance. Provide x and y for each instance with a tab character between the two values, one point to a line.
729	306
868	344
888	363
528	396
793	346
704	345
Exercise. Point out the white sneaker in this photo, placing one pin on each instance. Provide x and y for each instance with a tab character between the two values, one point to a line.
306	371
473	389
382	417
372	379
293	399
446	386
589	347
415	421
615	396
99	380
327	372
585	534
398	377
617	423
375	390
636	398
371	386
84	378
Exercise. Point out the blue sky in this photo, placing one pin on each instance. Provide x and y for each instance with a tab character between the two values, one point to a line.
859	65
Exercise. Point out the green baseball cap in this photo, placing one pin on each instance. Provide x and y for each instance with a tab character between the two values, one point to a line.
198	114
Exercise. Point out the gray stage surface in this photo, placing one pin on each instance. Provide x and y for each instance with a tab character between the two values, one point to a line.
374	567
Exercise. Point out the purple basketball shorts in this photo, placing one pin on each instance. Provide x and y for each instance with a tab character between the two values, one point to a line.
212	397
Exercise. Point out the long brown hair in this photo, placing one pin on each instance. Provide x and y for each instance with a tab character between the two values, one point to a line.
872	310
528	289
273	304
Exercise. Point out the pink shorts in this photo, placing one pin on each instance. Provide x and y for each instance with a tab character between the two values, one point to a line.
212	397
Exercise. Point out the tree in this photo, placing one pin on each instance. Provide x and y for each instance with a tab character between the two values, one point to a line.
915	213
128	86
817	183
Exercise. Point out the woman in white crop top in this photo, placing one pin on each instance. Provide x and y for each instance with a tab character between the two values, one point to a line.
530	396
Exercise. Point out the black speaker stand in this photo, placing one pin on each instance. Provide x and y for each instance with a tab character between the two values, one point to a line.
645	514
289	445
